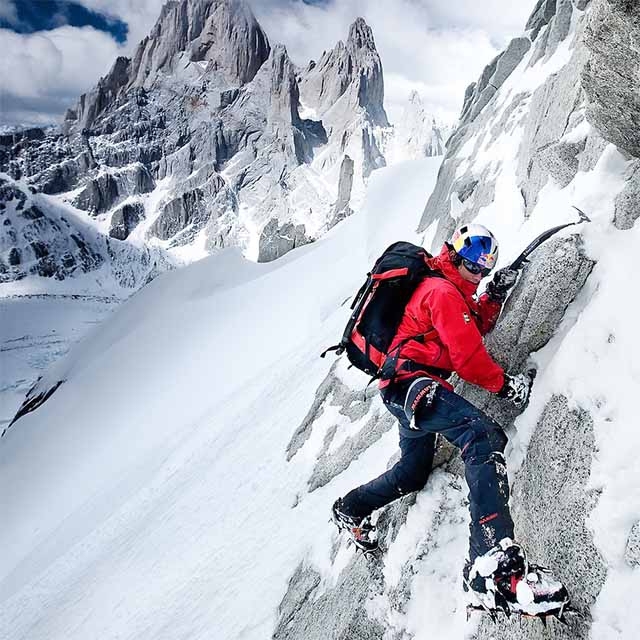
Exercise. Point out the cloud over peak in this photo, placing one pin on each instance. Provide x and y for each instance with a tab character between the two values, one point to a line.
433	46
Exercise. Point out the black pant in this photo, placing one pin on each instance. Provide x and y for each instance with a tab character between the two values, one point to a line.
481	441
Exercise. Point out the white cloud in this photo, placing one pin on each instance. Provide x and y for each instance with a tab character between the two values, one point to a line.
140	16
500	19
47	71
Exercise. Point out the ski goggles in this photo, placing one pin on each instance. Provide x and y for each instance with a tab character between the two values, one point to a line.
475	268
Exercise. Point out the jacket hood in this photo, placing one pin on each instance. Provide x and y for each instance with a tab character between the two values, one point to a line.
442	263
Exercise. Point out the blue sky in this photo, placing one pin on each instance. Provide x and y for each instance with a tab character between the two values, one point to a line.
58	49
31	16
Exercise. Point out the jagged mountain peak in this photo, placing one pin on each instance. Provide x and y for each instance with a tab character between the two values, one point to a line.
219	38
361	35
352	69
203	29
417	134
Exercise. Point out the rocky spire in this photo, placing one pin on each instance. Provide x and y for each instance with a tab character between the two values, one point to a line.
223	36
417	134
222	33
284	90
351	69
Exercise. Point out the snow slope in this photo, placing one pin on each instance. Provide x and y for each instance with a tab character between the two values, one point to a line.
150	494
36	330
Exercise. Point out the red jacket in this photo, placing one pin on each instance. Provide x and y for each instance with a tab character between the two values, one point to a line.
445	310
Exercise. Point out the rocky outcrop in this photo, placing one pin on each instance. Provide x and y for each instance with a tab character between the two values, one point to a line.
110	188
555	144
307	612
610	78
283	116
533	313
495	73
39	237
557	30
626	204
358	407
541	16
276	240
548	148
178	214
52	163
125	219
34	242
92	104
341	208
557	503
632	548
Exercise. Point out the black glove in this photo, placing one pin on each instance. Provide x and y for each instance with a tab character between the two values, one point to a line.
503	280
516	389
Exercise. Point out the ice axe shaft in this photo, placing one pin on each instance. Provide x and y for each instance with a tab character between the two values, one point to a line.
543	237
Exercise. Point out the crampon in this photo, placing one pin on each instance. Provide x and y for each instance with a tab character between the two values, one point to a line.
360	530
502	581
560	614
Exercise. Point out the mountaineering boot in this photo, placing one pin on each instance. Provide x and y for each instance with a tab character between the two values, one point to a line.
502	580
360	530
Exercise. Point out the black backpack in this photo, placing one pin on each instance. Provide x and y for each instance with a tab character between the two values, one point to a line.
379	306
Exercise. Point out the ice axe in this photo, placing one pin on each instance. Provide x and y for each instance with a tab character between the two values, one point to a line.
543	237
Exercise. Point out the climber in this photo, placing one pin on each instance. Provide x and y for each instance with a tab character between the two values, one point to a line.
451	322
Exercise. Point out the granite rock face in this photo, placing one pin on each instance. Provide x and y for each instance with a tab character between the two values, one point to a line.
345	90
221	34
627	210
632	549
341	209
492	78
610	77
556	141
125	219
352	70
277	240
557	25
542	14
551	503
50	161
339	613
34	243
108	189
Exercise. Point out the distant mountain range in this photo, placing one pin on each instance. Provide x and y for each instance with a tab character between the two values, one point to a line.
207	137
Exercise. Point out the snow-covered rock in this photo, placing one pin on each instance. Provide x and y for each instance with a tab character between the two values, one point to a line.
417	134
39	237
